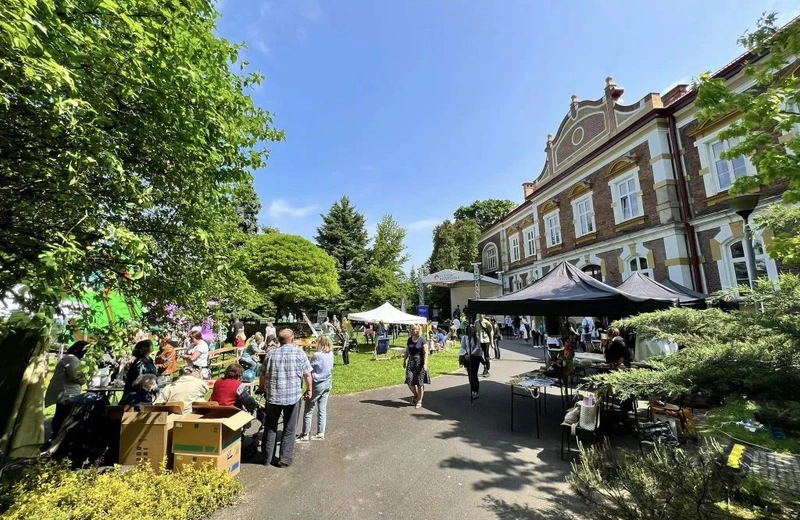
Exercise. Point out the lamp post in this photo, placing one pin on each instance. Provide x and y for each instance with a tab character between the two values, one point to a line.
744	205
420	286
476	272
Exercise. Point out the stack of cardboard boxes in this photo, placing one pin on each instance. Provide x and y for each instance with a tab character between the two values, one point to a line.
159	434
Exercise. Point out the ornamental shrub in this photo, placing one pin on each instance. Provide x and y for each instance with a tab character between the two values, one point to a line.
671	483
747	353
51	491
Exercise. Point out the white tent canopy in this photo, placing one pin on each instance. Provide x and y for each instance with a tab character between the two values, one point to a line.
451	277
387	313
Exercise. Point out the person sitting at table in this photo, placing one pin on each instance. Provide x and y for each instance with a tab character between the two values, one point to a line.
166	359
197	354
255	346
230	391
65	385
441	339
617	354
144	392
189	388
142	364
564	361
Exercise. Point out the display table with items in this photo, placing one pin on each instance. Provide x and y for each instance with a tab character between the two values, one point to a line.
534	385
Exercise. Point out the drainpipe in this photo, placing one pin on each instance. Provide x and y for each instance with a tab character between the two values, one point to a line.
694	256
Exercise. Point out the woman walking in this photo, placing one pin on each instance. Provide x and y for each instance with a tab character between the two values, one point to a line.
415	361
497	335
471	357
322	374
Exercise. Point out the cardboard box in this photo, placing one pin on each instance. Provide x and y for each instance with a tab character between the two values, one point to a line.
229	461
209	430
146	435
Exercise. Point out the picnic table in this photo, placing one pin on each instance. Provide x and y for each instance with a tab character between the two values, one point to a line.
534	385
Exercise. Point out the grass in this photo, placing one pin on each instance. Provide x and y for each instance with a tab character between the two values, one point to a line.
723	419
364	373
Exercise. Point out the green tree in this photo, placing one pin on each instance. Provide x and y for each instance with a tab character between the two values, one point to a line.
766	129
343	235
485	212
248	205
385	279
125	131
455	245
289	271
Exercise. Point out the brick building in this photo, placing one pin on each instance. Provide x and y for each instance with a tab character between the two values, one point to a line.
614	197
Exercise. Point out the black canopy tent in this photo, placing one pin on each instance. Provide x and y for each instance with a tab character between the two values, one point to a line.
568	291
645	287
688	292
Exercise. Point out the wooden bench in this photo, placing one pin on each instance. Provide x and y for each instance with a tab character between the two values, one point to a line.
221	353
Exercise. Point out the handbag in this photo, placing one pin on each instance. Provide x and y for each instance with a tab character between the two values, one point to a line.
462	360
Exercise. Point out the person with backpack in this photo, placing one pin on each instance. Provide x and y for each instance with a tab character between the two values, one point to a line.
587	328
470	356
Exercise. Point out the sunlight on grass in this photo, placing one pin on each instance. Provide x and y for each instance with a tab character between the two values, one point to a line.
724	418
364	373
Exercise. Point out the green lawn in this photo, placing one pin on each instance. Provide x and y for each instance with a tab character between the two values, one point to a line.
364	373
724	418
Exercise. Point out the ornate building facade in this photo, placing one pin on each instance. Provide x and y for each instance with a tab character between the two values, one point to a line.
633	187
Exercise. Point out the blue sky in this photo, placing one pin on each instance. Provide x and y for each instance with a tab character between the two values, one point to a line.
417	107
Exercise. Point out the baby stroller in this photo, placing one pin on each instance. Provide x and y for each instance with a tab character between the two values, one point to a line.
252	436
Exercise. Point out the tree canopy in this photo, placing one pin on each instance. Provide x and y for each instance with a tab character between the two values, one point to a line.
485	212
288	271
767	128
385	279
343	235
455	245
125	133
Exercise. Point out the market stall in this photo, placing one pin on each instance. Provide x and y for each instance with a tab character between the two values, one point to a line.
389	314
568	291
645	287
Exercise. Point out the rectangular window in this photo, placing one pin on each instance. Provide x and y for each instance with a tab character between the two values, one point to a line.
530	242
585	214
553	230
513	247
727	170
629	199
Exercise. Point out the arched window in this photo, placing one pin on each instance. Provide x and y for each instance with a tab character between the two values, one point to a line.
594	271
490	257
517	283
638	264
738	261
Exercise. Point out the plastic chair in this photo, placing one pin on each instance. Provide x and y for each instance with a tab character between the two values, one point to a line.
381	349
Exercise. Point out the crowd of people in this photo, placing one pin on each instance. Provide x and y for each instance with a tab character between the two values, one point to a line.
290	379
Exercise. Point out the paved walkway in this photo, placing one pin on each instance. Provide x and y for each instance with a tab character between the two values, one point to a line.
782	470
384	459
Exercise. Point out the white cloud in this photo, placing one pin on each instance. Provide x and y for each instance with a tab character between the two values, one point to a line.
427	223
262	46
266	7
281	207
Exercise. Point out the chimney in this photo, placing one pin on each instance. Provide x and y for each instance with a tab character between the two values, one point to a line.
674	94
528	188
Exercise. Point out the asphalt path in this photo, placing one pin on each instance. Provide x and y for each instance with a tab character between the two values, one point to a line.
384	459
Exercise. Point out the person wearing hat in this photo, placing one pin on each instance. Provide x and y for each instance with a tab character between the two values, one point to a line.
166	359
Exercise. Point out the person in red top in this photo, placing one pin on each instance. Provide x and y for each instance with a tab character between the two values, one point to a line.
229	391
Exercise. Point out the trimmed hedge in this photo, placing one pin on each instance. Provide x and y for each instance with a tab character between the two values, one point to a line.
51	491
